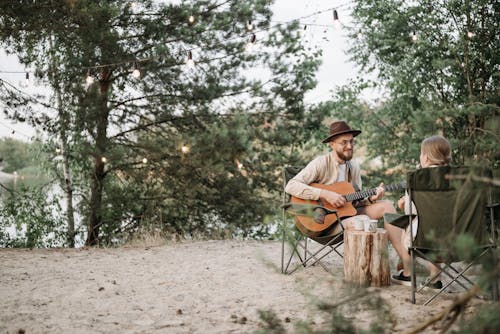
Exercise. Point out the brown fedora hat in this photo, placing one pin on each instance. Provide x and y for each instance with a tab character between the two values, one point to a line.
340	128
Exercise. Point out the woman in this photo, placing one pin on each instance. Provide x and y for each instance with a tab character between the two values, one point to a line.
434	151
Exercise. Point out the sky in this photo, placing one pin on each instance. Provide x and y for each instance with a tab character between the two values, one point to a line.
336	70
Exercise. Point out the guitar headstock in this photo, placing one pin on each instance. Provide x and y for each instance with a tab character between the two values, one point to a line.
395	186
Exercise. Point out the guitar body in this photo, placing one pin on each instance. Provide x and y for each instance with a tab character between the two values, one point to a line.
307	224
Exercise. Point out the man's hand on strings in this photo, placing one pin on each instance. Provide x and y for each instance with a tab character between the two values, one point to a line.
335	199
380	192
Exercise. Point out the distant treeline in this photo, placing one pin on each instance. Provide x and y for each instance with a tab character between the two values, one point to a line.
16	155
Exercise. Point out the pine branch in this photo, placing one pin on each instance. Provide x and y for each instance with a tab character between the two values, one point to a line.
454	310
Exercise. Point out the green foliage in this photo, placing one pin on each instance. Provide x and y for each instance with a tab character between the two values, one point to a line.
271	323
353	301
485	321
16	155
240	130
33	218
445	82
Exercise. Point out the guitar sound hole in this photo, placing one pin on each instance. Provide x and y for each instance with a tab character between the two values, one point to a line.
319	215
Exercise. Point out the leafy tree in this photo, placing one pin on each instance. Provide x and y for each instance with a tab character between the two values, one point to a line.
33	217
437	64
123	138
16	155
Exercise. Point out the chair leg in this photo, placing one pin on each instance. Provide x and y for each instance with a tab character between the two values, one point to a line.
283	234
336	251
456	277
494	285
308	255
305	250
328	244
294	251
464	277
413	276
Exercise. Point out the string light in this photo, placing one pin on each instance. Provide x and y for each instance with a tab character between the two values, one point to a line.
414	36
27	81
136	73
144	160
470	34
89	79
191	19
359	35
251	44
104	160
58	150
12	134
336	21
249	25
189	61
185	149
14	131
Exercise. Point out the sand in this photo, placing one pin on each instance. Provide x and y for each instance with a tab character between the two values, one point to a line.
185	287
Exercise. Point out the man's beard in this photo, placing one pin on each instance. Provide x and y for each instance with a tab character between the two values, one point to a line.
344	157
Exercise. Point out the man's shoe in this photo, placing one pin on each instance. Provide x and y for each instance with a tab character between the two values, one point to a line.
401	279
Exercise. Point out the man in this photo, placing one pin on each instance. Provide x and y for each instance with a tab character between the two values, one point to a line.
337	166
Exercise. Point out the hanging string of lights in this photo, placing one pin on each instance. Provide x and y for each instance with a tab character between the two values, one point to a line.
250	36
189	59
249	46
13	131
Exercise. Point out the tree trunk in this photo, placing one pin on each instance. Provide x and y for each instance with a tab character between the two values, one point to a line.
68	190
95	214
366	258
66	185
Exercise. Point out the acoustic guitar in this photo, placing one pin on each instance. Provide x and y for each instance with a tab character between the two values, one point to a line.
312	219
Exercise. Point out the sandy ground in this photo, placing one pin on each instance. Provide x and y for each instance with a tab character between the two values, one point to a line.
189	287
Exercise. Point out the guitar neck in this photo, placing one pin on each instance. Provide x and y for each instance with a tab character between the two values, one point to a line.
369	192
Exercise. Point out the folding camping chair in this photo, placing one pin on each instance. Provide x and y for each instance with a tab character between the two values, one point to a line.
298	241
450	203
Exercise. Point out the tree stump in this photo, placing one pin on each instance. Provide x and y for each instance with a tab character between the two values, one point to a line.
366	258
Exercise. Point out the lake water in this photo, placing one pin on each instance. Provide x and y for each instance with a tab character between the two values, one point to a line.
8	183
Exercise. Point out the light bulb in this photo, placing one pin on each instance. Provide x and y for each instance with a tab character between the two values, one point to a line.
136	73
249	25
185	149
104	160
27	80
249	47
191	19
414	36
189	61
58	150
470	34
336	21
144	160
89	79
